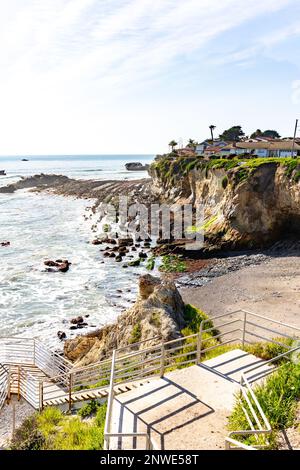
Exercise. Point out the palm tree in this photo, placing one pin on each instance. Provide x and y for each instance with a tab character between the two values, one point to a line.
192	144
173	144
212	128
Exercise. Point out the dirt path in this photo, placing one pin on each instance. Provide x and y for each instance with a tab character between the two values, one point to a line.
271	289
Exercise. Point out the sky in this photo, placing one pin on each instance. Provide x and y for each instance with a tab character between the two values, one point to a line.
128	76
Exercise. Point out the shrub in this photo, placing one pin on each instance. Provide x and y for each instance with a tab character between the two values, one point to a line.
277	396
89	409
224	182
52	430
136	333
155	319
28	436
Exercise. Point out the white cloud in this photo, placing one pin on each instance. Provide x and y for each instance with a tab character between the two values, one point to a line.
62	58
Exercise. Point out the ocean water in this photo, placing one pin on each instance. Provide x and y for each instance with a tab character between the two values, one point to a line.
37	303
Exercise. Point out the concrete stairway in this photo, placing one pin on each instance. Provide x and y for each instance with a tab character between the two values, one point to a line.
188	408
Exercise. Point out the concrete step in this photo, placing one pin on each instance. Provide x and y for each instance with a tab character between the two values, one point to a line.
188	408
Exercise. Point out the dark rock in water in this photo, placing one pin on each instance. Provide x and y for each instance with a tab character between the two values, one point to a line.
119	258
61	335
106	254
64	267
134	263
136	166
112	255
24	160
82	325
143	255
4	244
125	242
2	173
133	248
50	263
111	241
97	242
77	320
74	327
60	265
125	266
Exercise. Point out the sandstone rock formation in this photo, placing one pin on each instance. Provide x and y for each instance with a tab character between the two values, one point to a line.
246	204
158	311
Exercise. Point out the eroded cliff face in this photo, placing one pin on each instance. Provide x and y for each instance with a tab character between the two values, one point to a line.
246	204
158	311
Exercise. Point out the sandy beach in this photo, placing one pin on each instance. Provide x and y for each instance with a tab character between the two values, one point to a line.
271	288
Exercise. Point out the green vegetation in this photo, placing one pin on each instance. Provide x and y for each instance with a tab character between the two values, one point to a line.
172	264
233	134
193	317
136	333
155	319
224	182
150	263
52	430
171	167
106	228
135	262
278	397
268	133
89	409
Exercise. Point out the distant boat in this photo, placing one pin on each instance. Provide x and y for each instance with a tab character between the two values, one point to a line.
24	160
2	173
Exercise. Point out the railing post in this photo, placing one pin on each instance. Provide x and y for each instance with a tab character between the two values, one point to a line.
19	383
199	344
8	384
70	393
244	329
162	361
41	395
34	361
110	402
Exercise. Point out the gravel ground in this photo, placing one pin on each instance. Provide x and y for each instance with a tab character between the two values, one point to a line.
22	411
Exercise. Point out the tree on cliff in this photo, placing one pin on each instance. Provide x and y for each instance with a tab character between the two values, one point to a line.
268	133
257	133
233	134
173	144
212	128
272	134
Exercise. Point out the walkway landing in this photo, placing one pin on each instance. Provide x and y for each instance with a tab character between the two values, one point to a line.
188	408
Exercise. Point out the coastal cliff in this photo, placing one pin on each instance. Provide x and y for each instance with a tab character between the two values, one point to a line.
158	311
247	203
